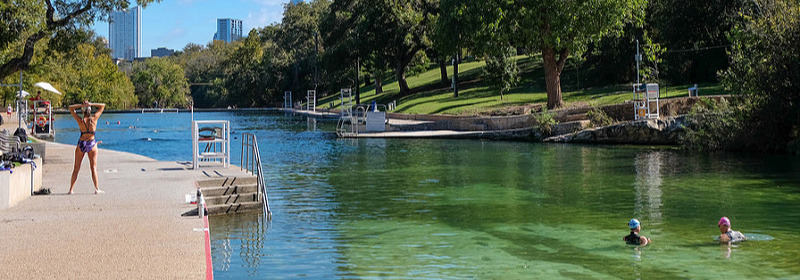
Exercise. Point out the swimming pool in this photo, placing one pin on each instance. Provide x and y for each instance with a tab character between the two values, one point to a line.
455	209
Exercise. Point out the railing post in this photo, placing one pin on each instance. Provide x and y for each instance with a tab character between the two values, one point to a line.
201	204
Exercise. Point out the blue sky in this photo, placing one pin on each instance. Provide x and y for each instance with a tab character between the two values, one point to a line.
175	23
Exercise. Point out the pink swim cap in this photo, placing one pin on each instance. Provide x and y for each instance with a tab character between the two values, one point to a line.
724	221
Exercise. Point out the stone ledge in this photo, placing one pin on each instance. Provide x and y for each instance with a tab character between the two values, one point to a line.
655	132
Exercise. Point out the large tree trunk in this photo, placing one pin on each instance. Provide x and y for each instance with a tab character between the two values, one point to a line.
378	82
443	71
552	75
400	74
358	84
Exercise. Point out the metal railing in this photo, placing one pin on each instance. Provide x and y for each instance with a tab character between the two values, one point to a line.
160	110
251	162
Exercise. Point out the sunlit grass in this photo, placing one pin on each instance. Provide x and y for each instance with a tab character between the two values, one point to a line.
431	97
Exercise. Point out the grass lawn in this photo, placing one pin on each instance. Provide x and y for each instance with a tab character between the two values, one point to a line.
429	96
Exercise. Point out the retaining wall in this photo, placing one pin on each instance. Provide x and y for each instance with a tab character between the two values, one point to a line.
16	186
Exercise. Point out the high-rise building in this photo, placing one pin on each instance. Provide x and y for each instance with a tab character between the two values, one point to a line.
125	33
161	52
228	30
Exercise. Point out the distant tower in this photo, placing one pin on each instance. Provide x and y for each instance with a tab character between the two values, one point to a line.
125	34
228	30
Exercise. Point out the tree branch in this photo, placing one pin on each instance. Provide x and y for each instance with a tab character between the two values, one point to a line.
65	20
23	61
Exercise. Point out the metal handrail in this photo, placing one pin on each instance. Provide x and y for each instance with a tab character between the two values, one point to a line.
251	162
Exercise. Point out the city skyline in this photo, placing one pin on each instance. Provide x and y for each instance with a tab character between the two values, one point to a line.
125	33
163	26
228	30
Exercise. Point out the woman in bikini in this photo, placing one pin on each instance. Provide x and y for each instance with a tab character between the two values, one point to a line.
86	143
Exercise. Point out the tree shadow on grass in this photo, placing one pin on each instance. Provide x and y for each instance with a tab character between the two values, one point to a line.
447	108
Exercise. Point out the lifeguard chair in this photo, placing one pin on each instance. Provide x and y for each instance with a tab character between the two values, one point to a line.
216	135
645	101
43	120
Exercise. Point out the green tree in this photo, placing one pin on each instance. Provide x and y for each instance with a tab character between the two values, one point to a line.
390	31
203	66
694	32
299	34
456	23
346	50
764	70
501	70
559	28
244	78
30	21
161	80
400	30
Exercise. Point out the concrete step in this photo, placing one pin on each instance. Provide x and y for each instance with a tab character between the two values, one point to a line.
577	117
570	127
229	190
226	181
581	110
232	199
234	208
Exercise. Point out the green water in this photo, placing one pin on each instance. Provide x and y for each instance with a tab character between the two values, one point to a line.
461	209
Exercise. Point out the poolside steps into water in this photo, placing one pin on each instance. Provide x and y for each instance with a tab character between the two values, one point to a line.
231	195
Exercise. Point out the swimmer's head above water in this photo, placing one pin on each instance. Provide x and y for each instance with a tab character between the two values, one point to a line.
634	224
729	235
724	224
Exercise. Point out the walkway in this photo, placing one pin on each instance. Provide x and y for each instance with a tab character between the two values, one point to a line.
133	231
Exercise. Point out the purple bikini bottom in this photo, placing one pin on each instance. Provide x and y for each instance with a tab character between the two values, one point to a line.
86	146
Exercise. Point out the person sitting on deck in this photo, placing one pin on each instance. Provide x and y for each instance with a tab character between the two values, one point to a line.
634	238
729	235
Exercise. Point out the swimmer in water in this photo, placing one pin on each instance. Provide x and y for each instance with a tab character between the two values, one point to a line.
634	238
729	235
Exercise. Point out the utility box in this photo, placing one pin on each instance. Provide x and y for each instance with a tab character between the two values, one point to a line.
376	121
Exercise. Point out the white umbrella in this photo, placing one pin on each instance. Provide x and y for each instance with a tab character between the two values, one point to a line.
22	93
47	87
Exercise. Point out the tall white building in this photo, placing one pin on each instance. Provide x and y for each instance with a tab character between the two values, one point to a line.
125	33
228	30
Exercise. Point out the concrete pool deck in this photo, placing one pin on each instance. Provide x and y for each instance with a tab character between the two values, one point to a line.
133	231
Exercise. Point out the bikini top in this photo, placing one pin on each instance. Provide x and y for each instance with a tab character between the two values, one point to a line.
87	128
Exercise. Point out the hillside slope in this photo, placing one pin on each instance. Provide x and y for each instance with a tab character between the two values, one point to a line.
429	96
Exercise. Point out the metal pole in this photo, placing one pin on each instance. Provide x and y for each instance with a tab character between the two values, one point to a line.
19	118
638	58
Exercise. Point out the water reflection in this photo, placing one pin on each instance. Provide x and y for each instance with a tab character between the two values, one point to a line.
648	189
311	123
250	230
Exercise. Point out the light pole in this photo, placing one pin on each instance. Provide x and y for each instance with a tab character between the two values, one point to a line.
638	59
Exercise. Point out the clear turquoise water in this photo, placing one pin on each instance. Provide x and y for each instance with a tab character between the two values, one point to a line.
463	209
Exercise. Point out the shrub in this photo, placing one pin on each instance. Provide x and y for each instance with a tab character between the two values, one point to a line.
598	117
545	122
765	76
713	126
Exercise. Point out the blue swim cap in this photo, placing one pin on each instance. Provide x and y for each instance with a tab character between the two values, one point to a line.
634	223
